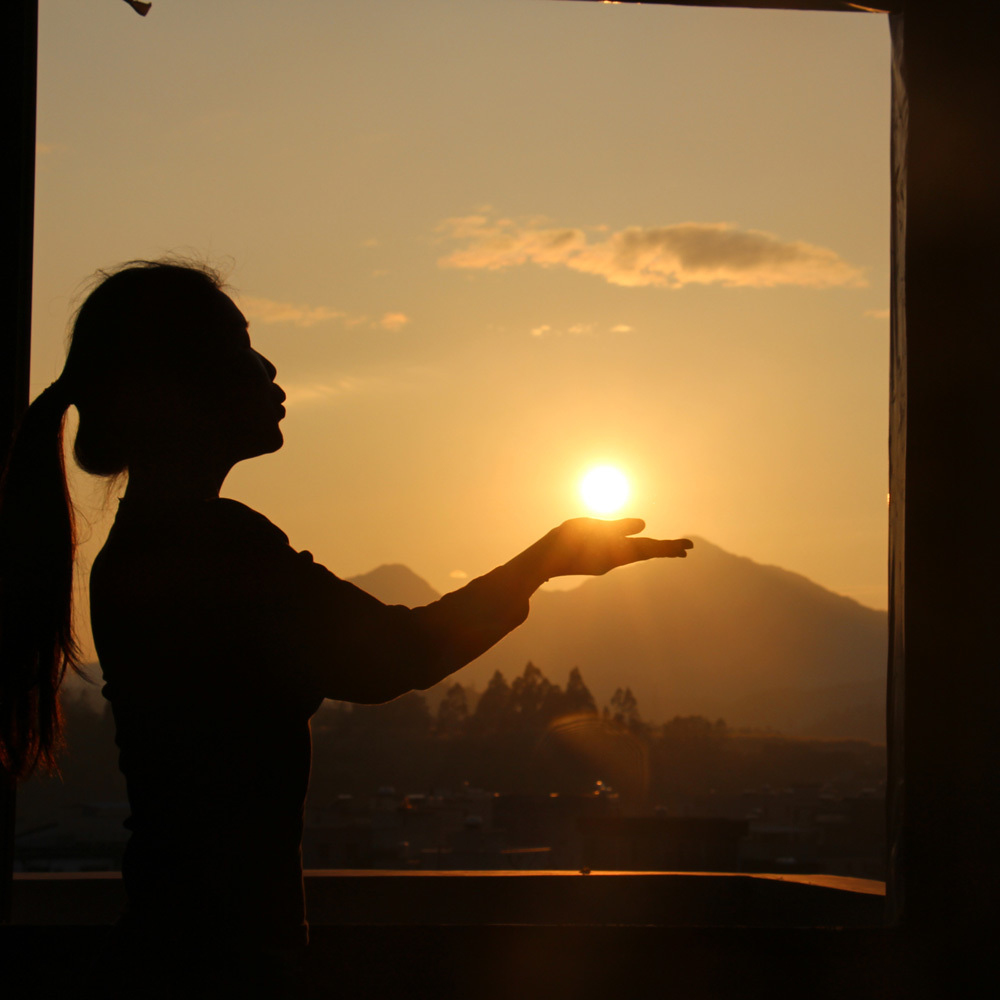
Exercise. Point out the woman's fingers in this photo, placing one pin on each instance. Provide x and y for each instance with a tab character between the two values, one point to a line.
656	548
626	525
590	546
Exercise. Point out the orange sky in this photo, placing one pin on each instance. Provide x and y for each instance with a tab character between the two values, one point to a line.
488	244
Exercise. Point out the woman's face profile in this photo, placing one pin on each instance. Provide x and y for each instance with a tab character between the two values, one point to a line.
248	402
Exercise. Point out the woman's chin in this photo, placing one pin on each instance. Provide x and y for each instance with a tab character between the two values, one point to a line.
277	440
265	444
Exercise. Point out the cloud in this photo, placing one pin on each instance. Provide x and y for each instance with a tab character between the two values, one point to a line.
311	392
332	387
459	574
268	311
877	313
575	329
687	253
394	321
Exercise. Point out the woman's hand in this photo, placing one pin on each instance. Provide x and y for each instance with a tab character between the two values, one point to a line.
589	546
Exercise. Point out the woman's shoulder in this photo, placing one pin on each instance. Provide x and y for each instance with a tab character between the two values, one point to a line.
231	529
197	547
167	513
240	518
217	525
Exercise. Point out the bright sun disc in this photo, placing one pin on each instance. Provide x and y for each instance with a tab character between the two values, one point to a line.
604	489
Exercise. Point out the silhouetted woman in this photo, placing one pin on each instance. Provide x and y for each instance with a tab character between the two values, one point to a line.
216	639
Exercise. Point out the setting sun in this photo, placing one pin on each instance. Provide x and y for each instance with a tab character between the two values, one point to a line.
604	489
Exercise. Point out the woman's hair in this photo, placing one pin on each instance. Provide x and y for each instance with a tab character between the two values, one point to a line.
135	330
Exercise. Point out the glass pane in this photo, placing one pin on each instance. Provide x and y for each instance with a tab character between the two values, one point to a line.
491	246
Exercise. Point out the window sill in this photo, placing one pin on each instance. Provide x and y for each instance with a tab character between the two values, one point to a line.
480	898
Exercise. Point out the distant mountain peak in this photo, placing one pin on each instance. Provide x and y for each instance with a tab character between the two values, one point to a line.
394	583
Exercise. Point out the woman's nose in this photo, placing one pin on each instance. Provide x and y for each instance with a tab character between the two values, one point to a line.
266	365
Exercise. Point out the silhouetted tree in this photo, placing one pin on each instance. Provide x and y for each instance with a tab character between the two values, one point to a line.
625	709
453	712
534	698
494	710
577	697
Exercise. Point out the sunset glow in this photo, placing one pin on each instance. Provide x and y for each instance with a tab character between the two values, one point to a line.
604	489
478	283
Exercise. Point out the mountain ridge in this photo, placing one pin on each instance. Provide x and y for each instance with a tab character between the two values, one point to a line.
716	634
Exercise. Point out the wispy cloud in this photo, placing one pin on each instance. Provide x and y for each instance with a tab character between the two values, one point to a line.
331	387
575	329
877	313
459	574
269	311
673	256
394	321
312	392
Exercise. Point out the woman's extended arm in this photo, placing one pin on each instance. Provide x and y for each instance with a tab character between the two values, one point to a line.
390	649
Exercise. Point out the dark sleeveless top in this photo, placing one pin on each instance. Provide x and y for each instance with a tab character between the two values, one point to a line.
217	642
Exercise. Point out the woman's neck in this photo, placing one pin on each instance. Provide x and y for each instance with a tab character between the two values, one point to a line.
168	482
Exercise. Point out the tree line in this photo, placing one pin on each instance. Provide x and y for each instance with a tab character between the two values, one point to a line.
524	735
532	735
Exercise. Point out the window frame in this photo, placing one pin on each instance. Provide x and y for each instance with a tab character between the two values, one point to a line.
943	426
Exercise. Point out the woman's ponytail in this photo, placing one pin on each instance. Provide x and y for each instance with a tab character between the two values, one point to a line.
37	542
132	323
